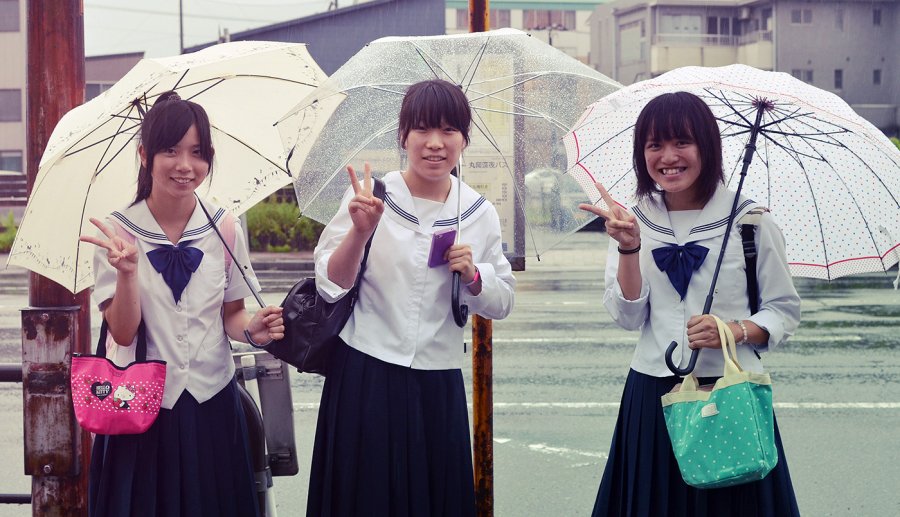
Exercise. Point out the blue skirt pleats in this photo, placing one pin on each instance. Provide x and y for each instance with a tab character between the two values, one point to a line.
642	476
194	461
390	441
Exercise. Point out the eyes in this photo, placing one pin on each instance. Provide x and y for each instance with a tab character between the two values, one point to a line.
444	129
171	151
679	143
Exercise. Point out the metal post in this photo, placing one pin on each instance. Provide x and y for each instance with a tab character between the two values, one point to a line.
482	362
57	450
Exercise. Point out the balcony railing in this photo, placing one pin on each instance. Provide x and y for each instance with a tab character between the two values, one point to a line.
711	40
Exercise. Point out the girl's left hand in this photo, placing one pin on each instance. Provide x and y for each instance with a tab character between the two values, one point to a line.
460	257
702	332
266	325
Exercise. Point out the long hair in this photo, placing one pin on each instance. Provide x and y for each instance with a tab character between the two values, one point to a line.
164	126
432	103
673	116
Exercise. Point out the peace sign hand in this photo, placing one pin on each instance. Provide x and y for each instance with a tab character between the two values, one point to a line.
620	224
365	209
120	254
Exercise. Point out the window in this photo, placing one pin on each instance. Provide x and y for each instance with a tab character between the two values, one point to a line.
839	19
804	75
801	16
462	19
876	77
92	90
542	19
680	24
11	161
631	42
838	79
10	105
9	15
500	18
876	17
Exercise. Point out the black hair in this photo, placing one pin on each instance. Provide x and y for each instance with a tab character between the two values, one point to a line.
164	126
679	115
432	103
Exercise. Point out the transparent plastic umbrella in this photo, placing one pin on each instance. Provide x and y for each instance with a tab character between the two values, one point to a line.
89	167
525	95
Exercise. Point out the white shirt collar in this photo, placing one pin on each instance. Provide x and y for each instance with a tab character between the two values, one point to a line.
139	221
400	207
713	218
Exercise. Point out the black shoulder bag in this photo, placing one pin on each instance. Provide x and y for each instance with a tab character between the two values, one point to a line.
311	323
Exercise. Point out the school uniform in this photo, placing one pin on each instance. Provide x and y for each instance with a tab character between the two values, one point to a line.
393	434
641	477
194	460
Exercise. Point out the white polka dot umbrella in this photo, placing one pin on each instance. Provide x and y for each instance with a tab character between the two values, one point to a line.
830	178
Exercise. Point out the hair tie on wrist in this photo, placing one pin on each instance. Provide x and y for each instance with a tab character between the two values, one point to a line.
254	344
476	278
629	252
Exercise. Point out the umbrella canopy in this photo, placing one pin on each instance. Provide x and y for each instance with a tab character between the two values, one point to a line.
525	95
89	167
830	178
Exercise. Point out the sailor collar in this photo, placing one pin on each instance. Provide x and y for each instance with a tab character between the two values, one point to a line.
653	216
139	221
399	205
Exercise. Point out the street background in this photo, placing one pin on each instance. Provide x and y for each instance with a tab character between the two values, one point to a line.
559	366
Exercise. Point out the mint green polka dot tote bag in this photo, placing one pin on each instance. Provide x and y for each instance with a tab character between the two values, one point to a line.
725	436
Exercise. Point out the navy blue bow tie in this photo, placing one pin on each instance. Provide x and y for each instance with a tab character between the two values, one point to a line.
679	263
176	264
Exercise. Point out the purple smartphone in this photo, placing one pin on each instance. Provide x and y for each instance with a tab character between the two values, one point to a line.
440	241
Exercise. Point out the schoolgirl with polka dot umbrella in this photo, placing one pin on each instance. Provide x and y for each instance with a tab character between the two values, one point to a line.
829	177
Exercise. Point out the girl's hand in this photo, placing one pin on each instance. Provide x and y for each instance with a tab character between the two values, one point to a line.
702	332
119	253
620	224
365	209
266	325
460	257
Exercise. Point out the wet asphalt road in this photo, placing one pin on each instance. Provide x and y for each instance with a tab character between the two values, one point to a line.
559	366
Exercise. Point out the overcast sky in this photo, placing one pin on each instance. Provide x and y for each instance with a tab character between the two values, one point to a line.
117	26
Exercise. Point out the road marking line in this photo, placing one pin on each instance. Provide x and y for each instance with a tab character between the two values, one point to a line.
615	405
559	451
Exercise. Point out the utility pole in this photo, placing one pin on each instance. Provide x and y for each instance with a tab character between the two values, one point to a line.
180	28
57	323
482	360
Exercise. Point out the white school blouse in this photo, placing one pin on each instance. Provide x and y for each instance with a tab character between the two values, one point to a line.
189	335
403	313
661	315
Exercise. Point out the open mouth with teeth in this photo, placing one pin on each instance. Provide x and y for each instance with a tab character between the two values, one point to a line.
434	158
672	171
182	181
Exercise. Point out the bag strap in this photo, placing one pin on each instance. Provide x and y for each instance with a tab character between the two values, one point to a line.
729	352
748	223
379	192
140	353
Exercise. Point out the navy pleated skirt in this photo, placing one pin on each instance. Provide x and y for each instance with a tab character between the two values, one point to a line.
390	441
642	477
194	461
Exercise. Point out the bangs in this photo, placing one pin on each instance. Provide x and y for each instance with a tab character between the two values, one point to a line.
432	104
668	123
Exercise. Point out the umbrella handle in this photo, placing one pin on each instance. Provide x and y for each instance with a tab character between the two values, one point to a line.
675	369
460	311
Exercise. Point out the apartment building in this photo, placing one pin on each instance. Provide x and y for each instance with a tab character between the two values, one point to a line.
564	25
848	47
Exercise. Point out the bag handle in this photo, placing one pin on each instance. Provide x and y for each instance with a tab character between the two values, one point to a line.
140	353
729	353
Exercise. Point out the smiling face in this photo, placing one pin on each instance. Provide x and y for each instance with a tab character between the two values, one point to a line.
177	170
433	152
675	166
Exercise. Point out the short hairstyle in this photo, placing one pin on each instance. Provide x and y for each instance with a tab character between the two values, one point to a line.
164	126
679	115
432	103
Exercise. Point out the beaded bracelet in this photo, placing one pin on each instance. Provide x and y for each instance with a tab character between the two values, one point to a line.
629	252
743	331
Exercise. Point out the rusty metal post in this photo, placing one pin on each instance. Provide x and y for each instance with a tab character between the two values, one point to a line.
57	450
482	361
